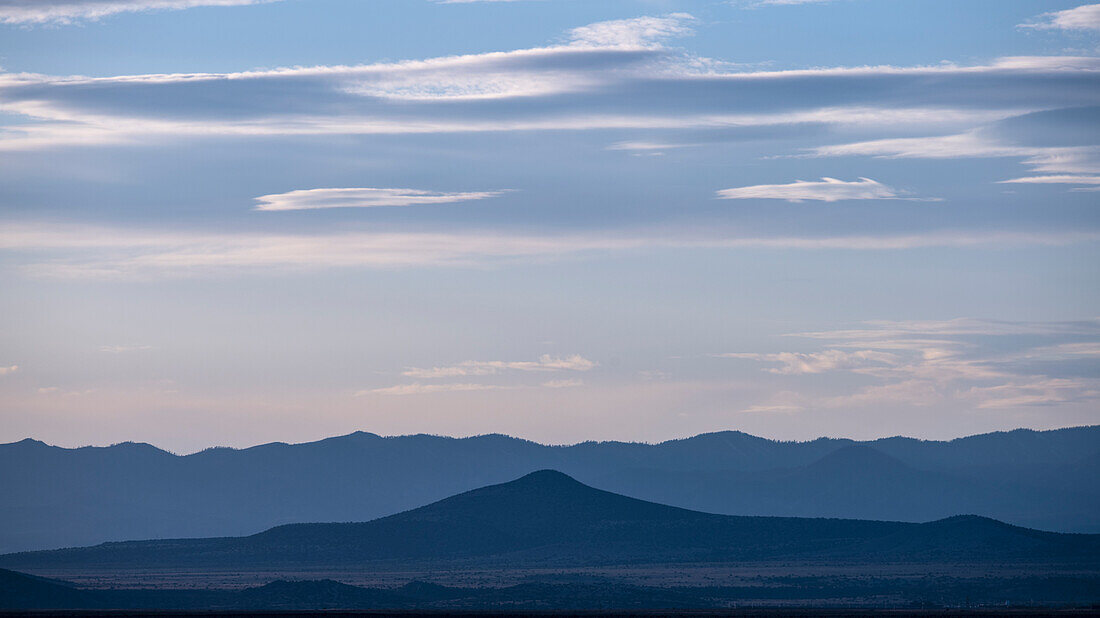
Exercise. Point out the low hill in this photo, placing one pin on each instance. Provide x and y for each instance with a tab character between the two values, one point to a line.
549	519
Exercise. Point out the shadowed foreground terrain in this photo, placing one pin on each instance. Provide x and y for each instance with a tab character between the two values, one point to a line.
549	521
20	591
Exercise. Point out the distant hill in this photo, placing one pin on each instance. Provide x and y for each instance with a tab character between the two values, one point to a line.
57	497
549	519
860	480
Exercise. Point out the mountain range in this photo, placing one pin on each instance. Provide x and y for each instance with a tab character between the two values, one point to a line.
57	497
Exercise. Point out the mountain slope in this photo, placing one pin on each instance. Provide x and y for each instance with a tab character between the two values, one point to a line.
548	519
856	481
22	591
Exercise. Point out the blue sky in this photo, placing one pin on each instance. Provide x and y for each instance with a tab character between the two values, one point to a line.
230	222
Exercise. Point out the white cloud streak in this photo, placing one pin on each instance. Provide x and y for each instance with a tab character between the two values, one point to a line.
124	349
786	2
1086	18
796	363
418	388
310	199
928	363
1063	179
571	383
426	389
1069	160
88	130
827	190
589	79
645	147
472	1
1066	350
632	33
70	11
544	363
8	370
69	251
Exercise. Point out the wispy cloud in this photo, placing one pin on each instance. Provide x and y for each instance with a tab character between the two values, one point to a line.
779	2
796	363
648	147
827	190
1085	17
1066	350
587	80
571	383
1072	160
9	369
309	199
419	388
123	349
878	330
634	32
1061	179
978	363
69	11
92	251
424	389
545	362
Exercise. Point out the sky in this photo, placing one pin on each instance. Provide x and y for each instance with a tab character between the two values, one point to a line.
229	222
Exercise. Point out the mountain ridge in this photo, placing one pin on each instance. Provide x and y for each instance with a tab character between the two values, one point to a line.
671	441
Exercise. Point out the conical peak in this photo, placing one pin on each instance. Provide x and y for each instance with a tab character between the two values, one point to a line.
547	476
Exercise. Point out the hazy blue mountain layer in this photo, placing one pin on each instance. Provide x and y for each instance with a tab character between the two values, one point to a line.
55	497
549	519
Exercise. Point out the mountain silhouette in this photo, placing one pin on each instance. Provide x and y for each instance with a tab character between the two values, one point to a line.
547	518
59	497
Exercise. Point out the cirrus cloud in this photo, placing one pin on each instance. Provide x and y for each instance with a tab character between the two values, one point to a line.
796	363
1053	160
69	11
125	348
634	32
425	389
827	190
579	86
1085	17
82	251
311	199
982	364
545	362
1090	182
